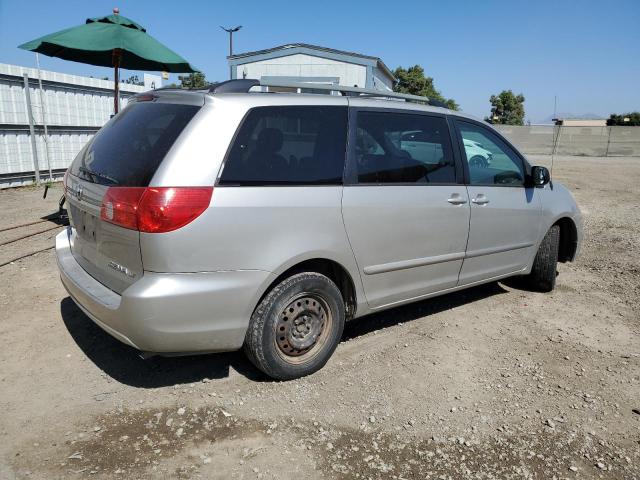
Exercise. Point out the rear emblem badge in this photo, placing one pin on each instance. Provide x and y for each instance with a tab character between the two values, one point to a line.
79	191
121	269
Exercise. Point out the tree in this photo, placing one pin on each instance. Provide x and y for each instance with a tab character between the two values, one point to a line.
632	119
133	80
507	108
413	81
193	81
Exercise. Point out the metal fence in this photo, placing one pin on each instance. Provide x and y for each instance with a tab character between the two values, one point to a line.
584	141
73	108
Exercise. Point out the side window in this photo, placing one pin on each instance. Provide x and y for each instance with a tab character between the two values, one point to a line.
491	161
288	146
403	148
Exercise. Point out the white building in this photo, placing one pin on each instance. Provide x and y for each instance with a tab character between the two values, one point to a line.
301	62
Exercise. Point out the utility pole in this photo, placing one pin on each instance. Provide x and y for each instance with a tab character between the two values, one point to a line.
231	31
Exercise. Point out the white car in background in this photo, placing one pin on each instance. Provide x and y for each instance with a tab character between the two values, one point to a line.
478	155
424	149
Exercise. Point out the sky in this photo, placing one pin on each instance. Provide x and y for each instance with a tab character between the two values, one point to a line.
586	53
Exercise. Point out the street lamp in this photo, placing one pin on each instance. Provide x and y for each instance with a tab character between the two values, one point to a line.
231	31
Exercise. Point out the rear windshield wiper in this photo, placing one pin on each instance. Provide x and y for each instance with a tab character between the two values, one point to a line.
96	175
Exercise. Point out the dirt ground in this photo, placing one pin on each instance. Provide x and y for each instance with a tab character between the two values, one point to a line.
492	382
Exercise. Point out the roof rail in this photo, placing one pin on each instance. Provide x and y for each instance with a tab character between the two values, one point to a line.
165	88
245	84
349	91
242	85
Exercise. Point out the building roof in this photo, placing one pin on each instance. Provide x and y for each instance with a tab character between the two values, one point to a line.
292	48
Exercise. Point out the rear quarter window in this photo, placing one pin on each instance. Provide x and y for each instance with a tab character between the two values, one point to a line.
129	148
297	145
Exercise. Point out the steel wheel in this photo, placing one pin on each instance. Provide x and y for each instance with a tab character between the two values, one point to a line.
296	327
302	328
478	161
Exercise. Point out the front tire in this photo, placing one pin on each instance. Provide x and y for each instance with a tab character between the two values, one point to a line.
296	327
544	271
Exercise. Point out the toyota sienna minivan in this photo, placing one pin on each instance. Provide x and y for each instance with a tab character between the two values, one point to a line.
214	220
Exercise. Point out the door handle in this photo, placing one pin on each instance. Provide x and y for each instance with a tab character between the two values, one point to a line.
456	199
480	199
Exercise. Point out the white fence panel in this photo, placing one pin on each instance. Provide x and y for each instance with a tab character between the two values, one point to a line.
76	107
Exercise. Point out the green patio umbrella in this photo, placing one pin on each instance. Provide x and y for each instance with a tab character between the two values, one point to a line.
112	41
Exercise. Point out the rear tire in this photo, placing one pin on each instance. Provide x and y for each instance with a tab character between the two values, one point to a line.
296	327
544	271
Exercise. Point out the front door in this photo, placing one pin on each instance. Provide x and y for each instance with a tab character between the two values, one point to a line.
505	215
405	212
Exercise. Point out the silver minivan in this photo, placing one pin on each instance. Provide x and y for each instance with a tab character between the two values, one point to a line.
208	221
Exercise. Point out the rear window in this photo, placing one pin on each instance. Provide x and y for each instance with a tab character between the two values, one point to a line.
288	146
129	148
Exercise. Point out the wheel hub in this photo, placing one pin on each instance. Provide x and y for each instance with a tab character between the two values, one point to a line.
300	324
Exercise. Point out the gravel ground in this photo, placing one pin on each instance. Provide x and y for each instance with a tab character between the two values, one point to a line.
492	382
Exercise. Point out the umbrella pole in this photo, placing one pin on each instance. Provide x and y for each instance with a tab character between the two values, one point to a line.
44	119
116	79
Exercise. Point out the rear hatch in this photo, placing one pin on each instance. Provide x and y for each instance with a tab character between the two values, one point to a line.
126	152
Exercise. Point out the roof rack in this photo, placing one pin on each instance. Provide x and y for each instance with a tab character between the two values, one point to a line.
246	84
242	85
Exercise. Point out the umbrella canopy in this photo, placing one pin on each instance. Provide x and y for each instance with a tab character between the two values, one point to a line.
111	41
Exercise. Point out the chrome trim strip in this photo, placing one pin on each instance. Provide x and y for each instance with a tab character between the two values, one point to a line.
489	251
447	290
449	257
416	262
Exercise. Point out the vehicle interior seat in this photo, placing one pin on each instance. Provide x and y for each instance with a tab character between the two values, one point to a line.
266	160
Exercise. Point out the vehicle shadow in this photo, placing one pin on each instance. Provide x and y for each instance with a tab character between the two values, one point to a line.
521	282
60	218
124	364
417	310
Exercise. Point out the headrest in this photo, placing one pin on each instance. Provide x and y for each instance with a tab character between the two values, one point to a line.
270	140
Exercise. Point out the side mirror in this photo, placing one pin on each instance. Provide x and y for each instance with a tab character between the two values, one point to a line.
540	176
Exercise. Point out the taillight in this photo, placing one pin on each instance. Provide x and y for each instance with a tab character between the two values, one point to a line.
163	209
154	209
120	206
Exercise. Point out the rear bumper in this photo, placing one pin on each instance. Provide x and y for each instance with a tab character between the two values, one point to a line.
167	312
